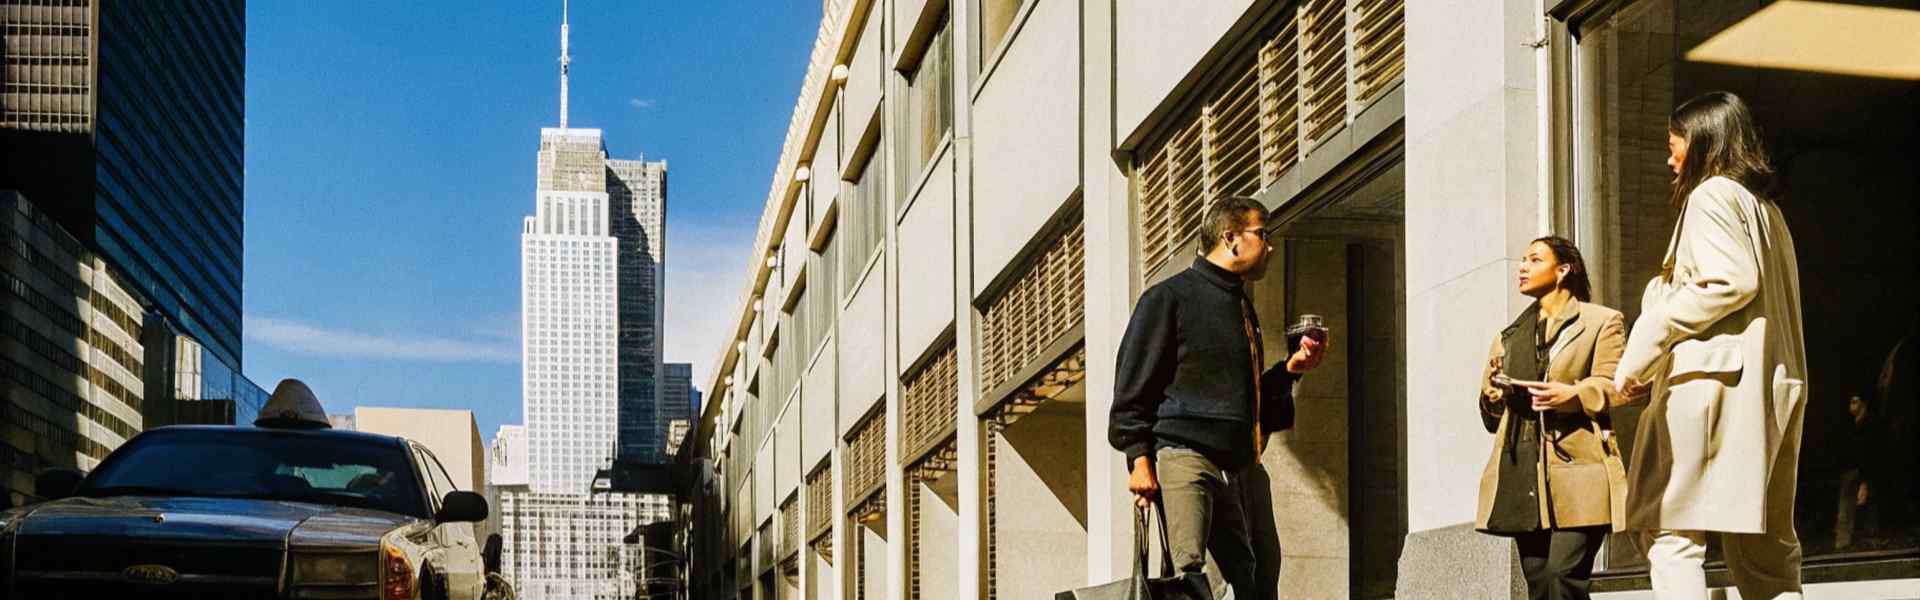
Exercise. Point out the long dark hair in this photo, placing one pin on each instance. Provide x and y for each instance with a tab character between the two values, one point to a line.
1722	139
1566	253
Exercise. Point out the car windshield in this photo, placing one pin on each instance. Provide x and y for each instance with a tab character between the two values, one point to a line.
270	466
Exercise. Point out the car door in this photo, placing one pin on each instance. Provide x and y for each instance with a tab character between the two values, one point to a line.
460	558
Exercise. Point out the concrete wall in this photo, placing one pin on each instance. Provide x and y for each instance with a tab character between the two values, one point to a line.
926	260
451	435
1025	130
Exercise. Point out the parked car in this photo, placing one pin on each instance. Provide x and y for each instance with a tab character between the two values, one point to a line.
284	509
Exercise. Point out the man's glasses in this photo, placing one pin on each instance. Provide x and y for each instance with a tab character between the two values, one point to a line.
1260	233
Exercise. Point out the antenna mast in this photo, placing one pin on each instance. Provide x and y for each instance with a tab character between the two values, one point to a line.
564	60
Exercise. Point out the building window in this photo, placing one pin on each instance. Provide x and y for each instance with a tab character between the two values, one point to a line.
863	218
1842	144
929	104
996	20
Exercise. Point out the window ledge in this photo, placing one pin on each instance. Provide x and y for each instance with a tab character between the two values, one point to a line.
1833	569
992	63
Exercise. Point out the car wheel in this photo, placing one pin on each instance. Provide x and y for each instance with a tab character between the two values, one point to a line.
430	586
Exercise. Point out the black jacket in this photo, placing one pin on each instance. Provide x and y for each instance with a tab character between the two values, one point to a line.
1185	374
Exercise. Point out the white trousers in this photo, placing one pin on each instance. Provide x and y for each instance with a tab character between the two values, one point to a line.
1763	566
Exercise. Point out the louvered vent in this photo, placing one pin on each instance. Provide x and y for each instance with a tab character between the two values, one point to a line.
928	399
820	505
1323	45
790	527
1279	103
1380	46
1044	303
1300	81
866	460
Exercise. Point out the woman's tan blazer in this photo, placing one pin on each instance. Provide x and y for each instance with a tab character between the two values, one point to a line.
1590	487
1719	339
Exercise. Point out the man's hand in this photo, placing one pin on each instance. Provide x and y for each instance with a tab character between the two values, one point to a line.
1553	396
1142	483
1309	355
1495	391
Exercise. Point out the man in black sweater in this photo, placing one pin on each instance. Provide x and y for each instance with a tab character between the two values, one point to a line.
1193	403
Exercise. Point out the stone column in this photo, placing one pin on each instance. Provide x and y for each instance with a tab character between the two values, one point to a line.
1472	203
1111	281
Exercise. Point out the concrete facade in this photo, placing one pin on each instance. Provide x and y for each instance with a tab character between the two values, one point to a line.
1430	145
451	435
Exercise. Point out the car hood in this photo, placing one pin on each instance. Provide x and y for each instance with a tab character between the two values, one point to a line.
218	520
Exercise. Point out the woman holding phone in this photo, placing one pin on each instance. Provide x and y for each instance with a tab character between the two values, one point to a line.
1719	345
1554	483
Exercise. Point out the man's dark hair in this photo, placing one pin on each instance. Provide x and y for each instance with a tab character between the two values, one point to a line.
1225	216
1564	252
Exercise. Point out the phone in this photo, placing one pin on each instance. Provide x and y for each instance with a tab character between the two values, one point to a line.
1505	381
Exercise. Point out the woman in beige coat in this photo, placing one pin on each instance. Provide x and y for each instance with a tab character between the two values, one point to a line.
1718	343
1554	482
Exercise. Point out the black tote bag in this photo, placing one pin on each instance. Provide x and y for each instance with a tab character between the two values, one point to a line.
1170	585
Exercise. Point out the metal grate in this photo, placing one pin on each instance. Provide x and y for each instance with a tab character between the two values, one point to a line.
929	397
993	514
1045	302
866	458
1299	81
819	492
1279	102
1323	72
790	527
1380	46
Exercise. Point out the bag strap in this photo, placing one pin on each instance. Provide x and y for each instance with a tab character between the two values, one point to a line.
1166	549
1139	543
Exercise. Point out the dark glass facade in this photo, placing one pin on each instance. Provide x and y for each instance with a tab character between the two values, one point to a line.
168	139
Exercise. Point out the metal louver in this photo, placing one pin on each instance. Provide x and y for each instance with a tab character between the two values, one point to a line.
1042	304
866	460
819	490
1323	73
1380	46
789	528
928	399
1301	80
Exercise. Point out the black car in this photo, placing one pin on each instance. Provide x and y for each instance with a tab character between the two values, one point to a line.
250	512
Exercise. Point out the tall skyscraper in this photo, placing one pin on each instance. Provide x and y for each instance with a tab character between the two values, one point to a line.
638	190
590	260
134	117
676	397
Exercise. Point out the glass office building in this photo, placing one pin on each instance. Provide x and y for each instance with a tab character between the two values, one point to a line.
136	112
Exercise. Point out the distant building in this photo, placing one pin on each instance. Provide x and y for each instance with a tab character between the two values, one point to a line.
341	422
451	435
72	361
132	117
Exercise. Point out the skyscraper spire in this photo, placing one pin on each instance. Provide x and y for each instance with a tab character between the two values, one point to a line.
564	60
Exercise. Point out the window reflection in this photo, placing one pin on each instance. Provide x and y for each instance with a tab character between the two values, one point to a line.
1843	144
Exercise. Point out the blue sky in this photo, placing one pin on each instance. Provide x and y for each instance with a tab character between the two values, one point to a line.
390	159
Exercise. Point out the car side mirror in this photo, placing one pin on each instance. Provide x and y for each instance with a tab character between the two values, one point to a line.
462	507
54	484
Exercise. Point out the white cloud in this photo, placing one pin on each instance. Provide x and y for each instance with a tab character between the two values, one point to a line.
641	103
304	338
706	268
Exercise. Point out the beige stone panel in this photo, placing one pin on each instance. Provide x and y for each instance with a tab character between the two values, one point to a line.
1159	43
862	364
451	435
926	263
1449	328
786	452
1026	152
866	77
817	416
764	503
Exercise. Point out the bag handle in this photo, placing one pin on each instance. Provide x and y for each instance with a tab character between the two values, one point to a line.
1140	540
